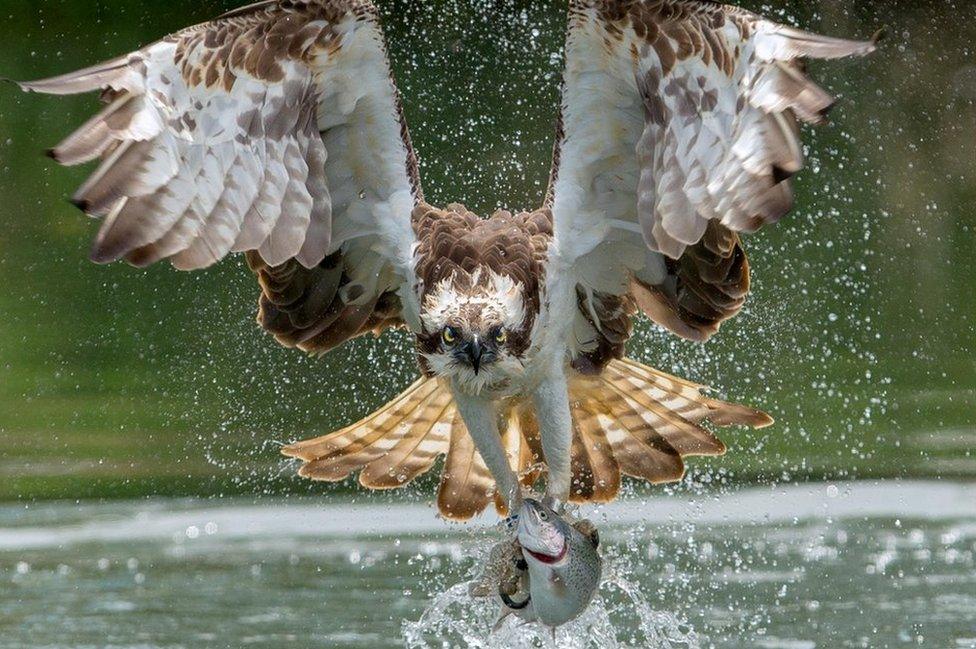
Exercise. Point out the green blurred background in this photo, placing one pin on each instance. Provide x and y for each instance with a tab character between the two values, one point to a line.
859	338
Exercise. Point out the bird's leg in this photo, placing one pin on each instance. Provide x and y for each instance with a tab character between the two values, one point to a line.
551	401
480	417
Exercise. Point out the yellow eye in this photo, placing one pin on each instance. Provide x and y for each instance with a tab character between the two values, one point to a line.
501	336
450	335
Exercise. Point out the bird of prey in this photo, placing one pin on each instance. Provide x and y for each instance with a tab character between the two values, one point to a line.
276	131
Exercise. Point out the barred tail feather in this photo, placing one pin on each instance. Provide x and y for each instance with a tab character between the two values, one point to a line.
596	470
650	421
532	462
720	413
631	420
402	441
639	450
425	440
334	457
523	446
466	484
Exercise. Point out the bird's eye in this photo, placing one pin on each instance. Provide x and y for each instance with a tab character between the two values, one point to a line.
501	336
450	335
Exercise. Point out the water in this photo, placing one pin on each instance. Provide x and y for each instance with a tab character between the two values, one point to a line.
890	564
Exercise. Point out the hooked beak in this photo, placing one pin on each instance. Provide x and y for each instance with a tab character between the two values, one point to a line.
475	352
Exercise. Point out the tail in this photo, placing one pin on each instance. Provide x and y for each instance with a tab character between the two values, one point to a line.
631	420
400	442
391	447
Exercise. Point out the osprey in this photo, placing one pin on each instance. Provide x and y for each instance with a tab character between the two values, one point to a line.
276	131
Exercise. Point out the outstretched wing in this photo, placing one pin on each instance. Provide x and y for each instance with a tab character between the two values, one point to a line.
274	130
679	130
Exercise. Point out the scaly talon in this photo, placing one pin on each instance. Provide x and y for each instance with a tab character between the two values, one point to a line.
511	524
555	504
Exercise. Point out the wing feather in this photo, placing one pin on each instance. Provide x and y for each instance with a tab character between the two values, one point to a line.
275	130
287	238
679	123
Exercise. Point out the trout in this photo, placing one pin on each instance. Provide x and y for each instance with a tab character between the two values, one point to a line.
558	569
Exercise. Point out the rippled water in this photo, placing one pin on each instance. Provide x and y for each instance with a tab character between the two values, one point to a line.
848	565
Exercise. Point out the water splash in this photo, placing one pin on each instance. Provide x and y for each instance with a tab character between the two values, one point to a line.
620	616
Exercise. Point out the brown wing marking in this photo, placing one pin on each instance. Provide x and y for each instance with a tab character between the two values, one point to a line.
679	128
706	286
316	309
241	135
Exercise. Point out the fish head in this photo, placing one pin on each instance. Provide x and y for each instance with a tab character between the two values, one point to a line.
542	533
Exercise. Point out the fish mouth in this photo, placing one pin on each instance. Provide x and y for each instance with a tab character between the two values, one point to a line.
549	558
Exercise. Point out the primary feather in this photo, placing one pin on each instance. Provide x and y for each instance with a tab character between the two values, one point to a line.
696	141
274	130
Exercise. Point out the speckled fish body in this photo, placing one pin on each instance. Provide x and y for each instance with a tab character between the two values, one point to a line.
563	563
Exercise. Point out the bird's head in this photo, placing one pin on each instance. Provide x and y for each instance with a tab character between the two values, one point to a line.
475	330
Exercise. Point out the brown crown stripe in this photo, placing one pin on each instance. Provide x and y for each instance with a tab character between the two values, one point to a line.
457	246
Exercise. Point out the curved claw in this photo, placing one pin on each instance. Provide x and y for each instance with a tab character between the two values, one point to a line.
512	604
511	524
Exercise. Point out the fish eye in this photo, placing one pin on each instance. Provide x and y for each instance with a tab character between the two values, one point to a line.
450	335
501	336
544	515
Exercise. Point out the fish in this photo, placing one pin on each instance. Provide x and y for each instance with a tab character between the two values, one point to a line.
557	570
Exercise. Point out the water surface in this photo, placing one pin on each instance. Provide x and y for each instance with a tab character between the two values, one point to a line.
824	565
